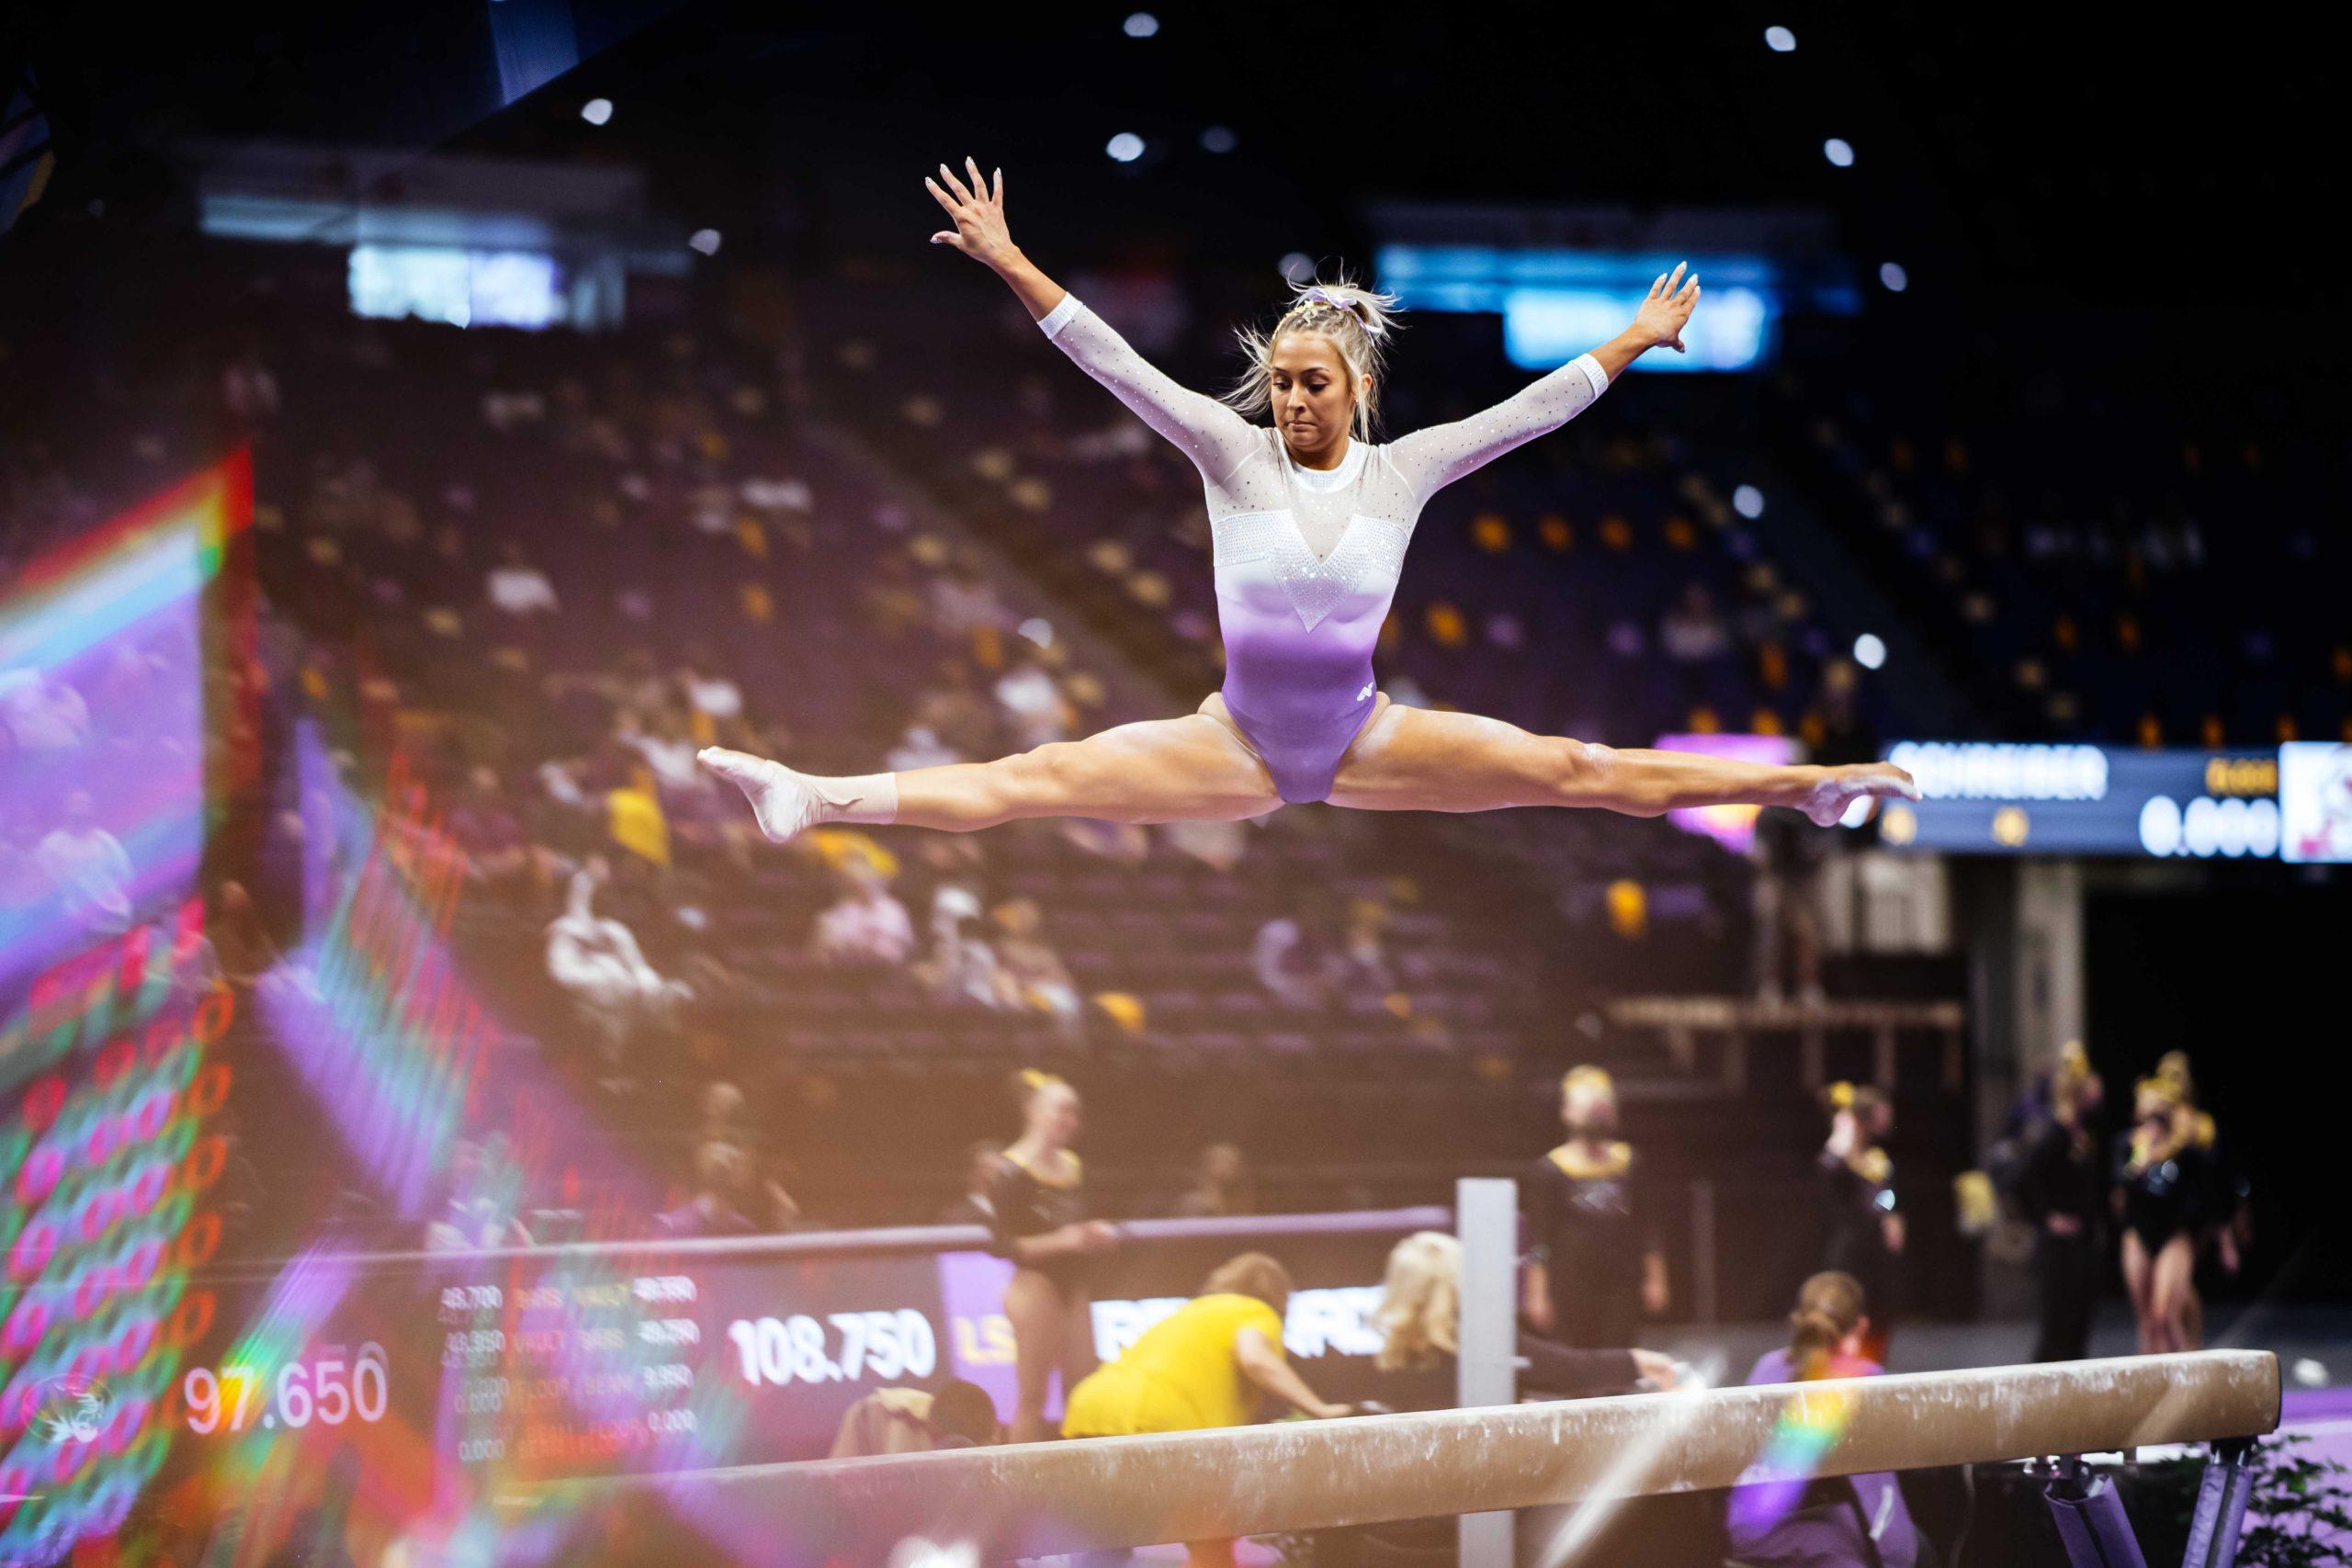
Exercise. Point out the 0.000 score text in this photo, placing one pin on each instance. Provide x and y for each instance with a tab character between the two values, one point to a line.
873	1344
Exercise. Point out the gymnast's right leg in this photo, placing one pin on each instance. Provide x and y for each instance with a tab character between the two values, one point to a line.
1173	770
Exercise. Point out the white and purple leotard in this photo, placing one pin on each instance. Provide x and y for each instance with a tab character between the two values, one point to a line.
1306	561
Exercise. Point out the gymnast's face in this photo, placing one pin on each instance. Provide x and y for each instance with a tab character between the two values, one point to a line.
1313	400
1053	1114
1588	1112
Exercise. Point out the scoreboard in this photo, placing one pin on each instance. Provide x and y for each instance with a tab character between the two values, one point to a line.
547	1363
1981	797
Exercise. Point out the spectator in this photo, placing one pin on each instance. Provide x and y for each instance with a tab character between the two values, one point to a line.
486	828
484	1198
959	1414
974	1207
714	700
961	968
1302	959
87	868
963	602
867	924
1217	845
668	750
725	1118
723	1115
1036	712
1857	1521
596	961
1691	632
1125	844
1039	979
519	587
42	714
1364	946
920	746
1223	1185
727	1196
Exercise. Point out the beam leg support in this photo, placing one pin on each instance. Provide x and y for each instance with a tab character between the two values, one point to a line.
2222	1497
2090	1519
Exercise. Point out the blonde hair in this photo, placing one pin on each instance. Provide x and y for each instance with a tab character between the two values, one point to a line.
1029	1082
1357	320
1421	1303
1829	1307
1861	1099
1591	1079
2173	1068
2072	1084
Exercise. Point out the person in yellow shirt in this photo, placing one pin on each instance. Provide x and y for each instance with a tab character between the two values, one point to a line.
1205	1365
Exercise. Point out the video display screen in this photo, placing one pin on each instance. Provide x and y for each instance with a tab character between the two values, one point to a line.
1984	797
2315	802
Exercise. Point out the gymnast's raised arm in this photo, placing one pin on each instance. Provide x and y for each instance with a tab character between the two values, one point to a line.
1213	436
1435	458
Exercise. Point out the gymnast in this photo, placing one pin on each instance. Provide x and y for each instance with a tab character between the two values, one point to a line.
1310	519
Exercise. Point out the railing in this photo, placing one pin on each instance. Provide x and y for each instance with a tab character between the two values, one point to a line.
1681	1022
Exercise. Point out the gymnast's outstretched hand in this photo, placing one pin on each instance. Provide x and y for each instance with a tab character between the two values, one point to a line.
979	212
1668	309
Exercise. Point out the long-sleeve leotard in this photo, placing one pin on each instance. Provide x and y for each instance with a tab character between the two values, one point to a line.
1306	561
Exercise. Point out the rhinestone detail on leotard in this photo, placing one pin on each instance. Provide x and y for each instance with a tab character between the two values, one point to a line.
1370	554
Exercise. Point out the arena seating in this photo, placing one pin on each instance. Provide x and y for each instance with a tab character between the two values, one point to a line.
2124	556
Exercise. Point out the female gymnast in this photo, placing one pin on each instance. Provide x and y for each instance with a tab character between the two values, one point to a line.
1862	1229
2163	1196
1037	1206
1310	520
1595	1263
2060	1191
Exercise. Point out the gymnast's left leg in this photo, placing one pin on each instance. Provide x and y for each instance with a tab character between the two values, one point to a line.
1418	760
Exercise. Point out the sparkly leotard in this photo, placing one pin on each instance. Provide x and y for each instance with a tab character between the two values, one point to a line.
1306	561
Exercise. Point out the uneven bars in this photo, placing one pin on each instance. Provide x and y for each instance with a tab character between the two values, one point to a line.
1098	1493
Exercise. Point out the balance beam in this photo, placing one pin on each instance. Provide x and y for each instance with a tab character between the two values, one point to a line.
1036	1499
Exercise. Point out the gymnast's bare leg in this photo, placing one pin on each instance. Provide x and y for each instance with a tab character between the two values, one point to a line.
1198	767
1418	759
1174	770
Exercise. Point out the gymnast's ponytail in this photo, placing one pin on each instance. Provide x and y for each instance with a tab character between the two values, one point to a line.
1358	320
1829	1307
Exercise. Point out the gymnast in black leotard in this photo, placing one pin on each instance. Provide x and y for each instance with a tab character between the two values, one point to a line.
2161	1175
2062	1191
1036	1199
1862	1228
